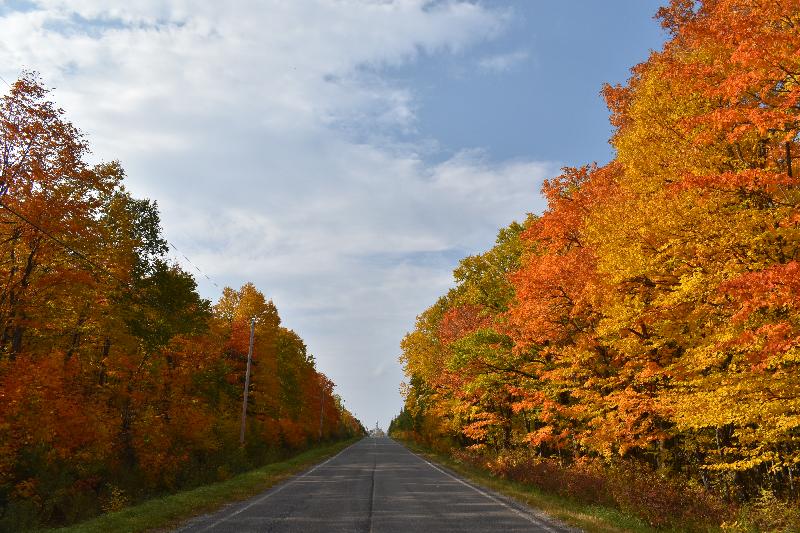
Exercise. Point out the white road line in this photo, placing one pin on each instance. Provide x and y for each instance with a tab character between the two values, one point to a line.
273	492
526	516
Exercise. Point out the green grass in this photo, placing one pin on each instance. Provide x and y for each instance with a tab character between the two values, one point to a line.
168	511
590	518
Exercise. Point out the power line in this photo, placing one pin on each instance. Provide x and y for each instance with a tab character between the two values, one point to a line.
63	244
83	256
192	241
195	266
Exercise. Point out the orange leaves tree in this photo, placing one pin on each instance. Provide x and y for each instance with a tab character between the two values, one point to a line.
46	183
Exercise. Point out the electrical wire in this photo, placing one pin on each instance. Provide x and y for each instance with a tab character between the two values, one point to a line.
195	266
83	256
64	245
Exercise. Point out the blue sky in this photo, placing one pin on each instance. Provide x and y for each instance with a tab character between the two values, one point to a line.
547	104
341	154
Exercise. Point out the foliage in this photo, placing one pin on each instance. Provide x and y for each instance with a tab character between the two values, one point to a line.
766	513
633	488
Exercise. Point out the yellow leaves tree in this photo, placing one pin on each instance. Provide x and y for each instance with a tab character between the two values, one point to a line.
653	313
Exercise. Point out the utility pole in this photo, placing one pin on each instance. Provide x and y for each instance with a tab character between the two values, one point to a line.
247	379
321	406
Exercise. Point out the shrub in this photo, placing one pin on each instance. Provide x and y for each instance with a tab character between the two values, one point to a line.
660	500
767	513
663	500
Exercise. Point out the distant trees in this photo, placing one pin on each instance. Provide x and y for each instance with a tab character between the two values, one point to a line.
651	314
116	378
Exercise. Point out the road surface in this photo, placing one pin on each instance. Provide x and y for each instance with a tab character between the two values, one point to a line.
375	486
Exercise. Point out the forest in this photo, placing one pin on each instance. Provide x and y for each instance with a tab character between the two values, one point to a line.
117	380
637	345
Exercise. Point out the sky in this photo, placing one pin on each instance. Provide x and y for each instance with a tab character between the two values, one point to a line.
343	155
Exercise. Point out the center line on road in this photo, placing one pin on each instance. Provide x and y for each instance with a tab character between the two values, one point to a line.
372	495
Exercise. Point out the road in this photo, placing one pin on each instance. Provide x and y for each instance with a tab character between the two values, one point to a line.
375	486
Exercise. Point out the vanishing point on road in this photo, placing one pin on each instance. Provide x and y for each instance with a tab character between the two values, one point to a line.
375	486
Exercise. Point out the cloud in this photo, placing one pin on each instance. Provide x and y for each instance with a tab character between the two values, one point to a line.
502	62
269	136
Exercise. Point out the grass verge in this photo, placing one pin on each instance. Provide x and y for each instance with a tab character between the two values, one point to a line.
590	518
168	511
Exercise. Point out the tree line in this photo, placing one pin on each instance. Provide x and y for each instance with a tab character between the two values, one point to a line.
649	320
117	380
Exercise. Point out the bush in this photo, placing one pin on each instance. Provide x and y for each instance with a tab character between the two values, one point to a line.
632	487
663	500
767	513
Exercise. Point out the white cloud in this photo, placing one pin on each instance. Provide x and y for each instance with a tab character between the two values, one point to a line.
241	119
503	62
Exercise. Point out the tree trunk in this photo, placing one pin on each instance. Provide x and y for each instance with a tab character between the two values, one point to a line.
76	336
19	315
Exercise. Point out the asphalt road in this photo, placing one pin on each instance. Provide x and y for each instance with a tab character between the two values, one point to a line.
375	486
